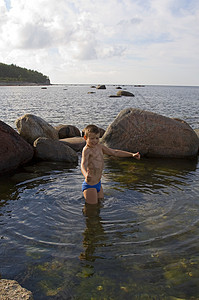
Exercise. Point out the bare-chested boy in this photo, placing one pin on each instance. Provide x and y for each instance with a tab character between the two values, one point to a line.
92	163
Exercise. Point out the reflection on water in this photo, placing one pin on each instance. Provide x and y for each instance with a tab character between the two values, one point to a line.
94	235
150	175
145	229
141	242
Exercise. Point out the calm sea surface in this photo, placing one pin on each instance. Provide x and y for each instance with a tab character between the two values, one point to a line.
141	242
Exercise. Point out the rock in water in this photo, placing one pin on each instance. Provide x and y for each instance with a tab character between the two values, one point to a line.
125	93
14	150
101	87
11	290
76	143
31	127
67	131
50	150
151	134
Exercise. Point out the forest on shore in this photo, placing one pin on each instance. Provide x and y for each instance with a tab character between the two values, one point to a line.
12	74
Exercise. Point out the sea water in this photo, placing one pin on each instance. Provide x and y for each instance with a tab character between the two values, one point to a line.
141	242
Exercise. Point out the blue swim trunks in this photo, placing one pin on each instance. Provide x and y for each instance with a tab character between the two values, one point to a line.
86	186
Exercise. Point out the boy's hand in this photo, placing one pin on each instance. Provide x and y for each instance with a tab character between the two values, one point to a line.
136	155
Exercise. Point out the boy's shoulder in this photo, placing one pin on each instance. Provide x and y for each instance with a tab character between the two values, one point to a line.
86	148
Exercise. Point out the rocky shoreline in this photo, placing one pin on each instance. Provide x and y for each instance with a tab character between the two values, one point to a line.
133	130
22	83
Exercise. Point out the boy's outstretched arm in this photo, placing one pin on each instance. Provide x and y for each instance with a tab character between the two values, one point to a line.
119	153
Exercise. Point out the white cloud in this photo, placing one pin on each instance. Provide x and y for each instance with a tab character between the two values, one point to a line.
120	40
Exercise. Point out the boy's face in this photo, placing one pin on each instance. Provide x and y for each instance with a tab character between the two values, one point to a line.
92	139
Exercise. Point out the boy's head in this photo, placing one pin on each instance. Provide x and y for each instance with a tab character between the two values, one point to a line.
91	129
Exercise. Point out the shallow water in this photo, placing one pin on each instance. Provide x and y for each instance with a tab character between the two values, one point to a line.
141	242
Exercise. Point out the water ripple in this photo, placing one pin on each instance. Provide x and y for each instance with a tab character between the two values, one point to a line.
147	226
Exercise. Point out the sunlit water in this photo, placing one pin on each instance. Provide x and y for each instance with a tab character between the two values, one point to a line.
141	242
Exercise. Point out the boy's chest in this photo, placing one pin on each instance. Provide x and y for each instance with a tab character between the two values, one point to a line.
96	156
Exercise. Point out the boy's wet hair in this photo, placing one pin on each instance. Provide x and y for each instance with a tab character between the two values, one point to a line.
91	129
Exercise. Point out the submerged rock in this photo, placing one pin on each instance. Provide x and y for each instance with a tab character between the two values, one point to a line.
31	127
51	150
151	134
14	150
11	290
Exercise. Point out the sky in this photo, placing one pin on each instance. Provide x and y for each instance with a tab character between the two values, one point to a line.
103	41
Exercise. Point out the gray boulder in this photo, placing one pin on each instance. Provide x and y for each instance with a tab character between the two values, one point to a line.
52	150
31	127
14	150
76	143
125	93
197	132
151	134
67	131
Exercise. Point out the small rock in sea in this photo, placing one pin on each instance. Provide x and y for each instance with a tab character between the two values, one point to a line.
114	96
101	87
125	93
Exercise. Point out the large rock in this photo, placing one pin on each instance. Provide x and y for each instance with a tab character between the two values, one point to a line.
31	127
76	143
51	150
11	290
67	131
14	150
151	134
197	132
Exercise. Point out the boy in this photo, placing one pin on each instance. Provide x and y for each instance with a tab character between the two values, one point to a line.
92	163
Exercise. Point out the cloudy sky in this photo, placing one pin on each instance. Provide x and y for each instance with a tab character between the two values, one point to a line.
103	41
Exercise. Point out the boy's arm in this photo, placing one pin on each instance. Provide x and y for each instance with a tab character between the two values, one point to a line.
119	153
84	163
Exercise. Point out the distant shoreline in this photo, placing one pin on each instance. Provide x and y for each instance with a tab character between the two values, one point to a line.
21	83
